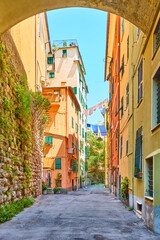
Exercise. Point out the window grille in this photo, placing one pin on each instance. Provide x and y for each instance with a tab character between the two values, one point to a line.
58	183
138	154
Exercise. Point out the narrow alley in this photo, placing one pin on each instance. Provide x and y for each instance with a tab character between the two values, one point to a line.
91	213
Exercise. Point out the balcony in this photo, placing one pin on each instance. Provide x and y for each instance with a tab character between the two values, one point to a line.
64	43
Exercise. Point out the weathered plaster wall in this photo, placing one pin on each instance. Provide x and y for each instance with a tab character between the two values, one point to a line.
20	151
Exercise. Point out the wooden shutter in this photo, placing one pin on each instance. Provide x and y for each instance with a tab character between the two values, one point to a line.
58	163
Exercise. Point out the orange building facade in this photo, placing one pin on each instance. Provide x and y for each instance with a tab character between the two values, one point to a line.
61	150
112	75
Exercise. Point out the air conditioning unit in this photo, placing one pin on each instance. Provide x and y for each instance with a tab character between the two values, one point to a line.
42	79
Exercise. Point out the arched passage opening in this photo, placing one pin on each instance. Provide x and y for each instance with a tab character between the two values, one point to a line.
141	12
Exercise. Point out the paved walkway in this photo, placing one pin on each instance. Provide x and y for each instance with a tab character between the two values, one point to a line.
87	214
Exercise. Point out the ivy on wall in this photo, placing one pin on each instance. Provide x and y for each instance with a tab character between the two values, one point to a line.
20	109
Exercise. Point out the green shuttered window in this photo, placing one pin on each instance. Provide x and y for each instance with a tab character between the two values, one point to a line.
75	90
138	153
86	151
121	147
75	168
50	60
72	122
51	74
48	140
58	163
64	53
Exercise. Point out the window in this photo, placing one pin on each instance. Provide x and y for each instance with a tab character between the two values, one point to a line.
116	105
128	48
122	67
86	136
116	66
86	151
138	32
58	183
48	141
64	53
80	129
140	82
72	122
138	154
75	168
121	143
116	141
51	75
86	166
156	99
76	128
72	141
72	101
121	107
50	60
75	90
83	132
58	163
127	147
156	37
127	95
122	26
149	177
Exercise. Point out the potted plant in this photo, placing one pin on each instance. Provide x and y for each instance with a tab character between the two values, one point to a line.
140	174
44	188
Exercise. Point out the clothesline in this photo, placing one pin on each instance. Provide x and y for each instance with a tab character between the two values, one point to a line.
90	111
102	129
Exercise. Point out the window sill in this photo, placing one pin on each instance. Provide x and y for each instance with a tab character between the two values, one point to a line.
150	198
156	127
138	104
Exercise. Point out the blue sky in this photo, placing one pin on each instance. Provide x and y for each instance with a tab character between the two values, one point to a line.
88	26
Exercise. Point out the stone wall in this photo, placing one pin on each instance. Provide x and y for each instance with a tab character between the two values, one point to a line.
20	133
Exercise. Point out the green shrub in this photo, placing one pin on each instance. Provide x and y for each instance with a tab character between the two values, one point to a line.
57	190
124	188
10	210
44	187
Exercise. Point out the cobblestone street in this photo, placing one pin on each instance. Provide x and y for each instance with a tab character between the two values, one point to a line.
90	213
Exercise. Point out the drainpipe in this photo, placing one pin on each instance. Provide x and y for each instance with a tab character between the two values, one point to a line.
132	118
119	101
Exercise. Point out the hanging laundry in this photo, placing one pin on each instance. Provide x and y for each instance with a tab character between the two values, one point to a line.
102	130
95	128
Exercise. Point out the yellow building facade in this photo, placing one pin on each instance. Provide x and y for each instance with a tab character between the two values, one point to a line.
31	38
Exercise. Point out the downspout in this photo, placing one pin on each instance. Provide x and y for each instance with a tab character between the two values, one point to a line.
119	99
132	118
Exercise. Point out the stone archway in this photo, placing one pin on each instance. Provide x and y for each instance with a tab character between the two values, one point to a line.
139	12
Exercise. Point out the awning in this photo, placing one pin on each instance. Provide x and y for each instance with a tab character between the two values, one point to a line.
102	130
